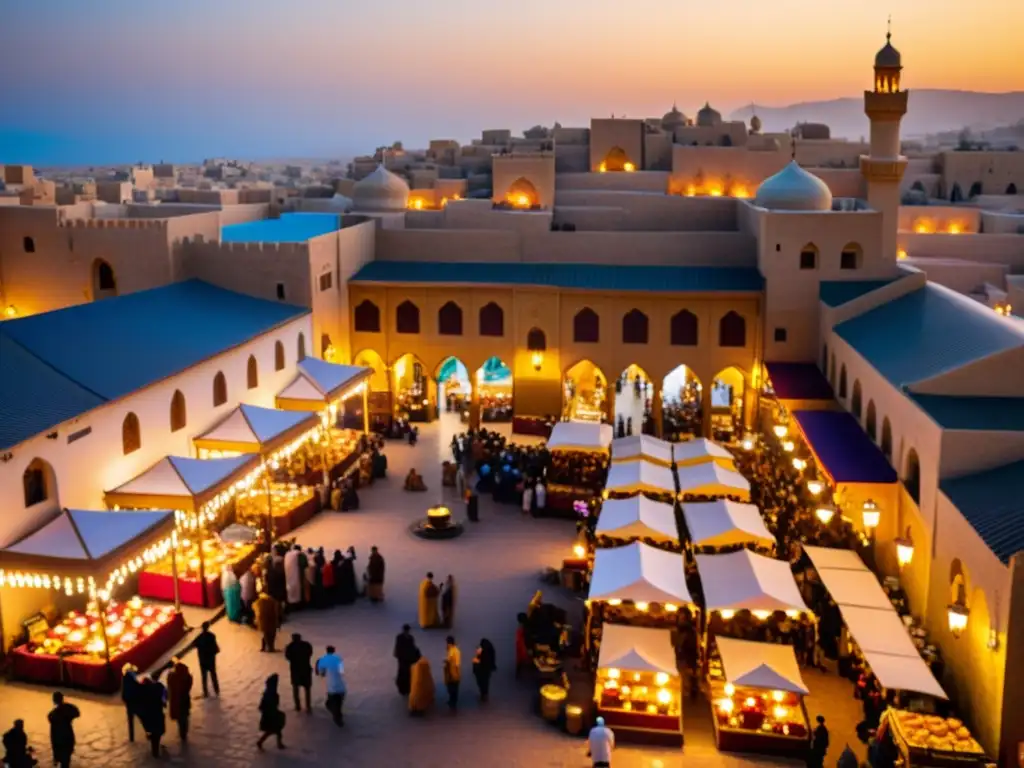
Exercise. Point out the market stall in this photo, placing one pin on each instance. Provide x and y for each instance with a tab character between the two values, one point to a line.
757	699
201	491
639	574
579	460
291	505
637	690
743	580
722	525
700	450
324	387
637	518
646	447
269	432
81	558
929	740
710	480
580	437
632	477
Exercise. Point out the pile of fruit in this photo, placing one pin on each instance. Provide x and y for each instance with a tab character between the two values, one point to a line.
936	733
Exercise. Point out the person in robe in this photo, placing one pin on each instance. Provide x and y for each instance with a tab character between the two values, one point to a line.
483	667
428	603
421	687
406	654
248	592
414	481
303	569
348	590
380	464
317	562
336	563
472	505
232	592
329	578
349	497
375	576
276	585
293	577
448	598
267	622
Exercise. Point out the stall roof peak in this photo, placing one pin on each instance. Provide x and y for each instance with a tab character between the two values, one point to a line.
81	534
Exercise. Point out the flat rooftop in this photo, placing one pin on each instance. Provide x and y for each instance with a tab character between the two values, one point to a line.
290	228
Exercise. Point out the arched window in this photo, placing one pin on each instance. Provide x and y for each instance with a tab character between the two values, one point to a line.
855	400
683	329
917	186
870	422
179	415
301	346
634	327
38	482
449	320
367	317
492	320
850	258
220	389
1011	189
732	330
912	476
832	372
104	283
809	256
407	318
842	381
131	435
586	326
956	195
252	373
29	245
278	356
887	439
327	351
975	189
536	341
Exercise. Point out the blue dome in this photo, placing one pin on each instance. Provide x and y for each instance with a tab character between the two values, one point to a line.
794	189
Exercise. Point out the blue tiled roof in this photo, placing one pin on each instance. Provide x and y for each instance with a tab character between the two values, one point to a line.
992	502
843	449
837	292
290	228
799	381
582	276
995	414
60	364
926	333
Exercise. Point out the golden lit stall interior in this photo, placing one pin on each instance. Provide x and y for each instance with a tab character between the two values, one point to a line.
722	526
757	698
326	387
637	518
709	480
700	450
290	506
632	477
931	740
199	564
80	559
637	689
642	447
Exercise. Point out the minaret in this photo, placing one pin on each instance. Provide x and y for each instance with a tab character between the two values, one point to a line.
883	168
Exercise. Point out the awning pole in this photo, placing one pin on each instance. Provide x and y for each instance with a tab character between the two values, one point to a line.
174	571
366	407
202	560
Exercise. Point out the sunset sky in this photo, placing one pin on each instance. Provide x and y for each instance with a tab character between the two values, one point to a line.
125	80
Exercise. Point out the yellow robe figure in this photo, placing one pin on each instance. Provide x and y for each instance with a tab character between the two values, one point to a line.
428	604
421	687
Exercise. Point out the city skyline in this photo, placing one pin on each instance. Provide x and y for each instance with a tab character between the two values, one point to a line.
128	82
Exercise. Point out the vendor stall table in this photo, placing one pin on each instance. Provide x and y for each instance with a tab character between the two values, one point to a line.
157	583
292	505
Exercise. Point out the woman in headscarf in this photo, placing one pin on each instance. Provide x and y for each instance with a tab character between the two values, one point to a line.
232	592
448	598
421	692
483	667
348	590
272	719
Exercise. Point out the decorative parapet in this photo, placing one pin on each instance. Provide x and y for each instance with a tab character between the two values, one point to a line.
159	224
882	169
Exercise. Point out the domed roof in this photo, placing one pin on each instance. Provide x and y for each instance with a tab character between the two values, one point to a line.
794	189
673	118
382	190
708	117
888	57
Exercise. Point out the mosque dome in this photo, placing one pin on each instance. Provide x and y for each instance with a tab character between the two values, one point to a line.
794	189
341	202
755	124
673	119
708	117
382	190
888	57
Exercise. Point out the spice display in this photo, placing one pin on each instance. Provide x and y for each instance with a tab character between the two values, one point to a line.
81	633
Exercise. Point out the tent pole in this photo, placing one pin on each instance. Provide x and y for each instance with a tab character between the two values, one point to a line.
366	407
270	512
202	562
174	572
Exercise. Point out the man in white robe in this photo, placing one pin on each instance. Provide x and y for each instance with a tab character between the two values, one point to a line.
293	576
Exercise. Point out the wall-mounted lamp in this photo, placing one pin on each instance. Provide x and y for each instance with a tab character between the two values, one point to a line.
815	487
904	550
537	358
825	513
10	311
871	515
956	614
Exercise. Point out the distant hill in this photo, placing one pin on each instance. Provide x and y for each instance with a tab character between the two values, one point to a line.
930	111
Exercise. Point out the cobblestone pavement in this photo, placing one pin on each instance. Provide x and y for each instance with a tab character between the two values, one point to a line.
496	564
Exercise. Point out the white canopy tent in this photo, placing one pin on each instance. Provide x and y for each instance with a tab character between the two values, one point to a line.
81	534
637	649
745	580
638	517
723	523
712	480
583	436
318	383
873	623
702	451
770	666
640	477
252	429
644	447
640	573
178	482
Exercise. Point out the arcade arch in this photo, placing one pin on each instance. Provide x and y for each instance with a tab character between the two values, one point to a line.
584	392
681	393
633	394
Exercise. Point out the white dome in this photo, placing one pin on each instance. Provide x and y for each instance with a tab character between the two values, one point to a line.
794	189
382	190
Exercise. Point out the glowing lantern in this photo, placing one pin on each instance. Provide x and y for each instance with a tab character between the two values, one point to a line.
778	696
815	487
537	358
671	608
780	430
750	702
904	551
10	311
664	697
614	673
641	606
416	203
726	614
725	706
523	201
799	464
957	614
730	689
602	168
788	446
629	167
901	254
660	679
762	615
579	551
615	601
780	713
825	513
871	515
748	442
954	228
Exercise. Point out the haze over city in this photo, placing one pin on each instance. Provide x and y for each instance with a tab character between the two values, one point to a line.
122	81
